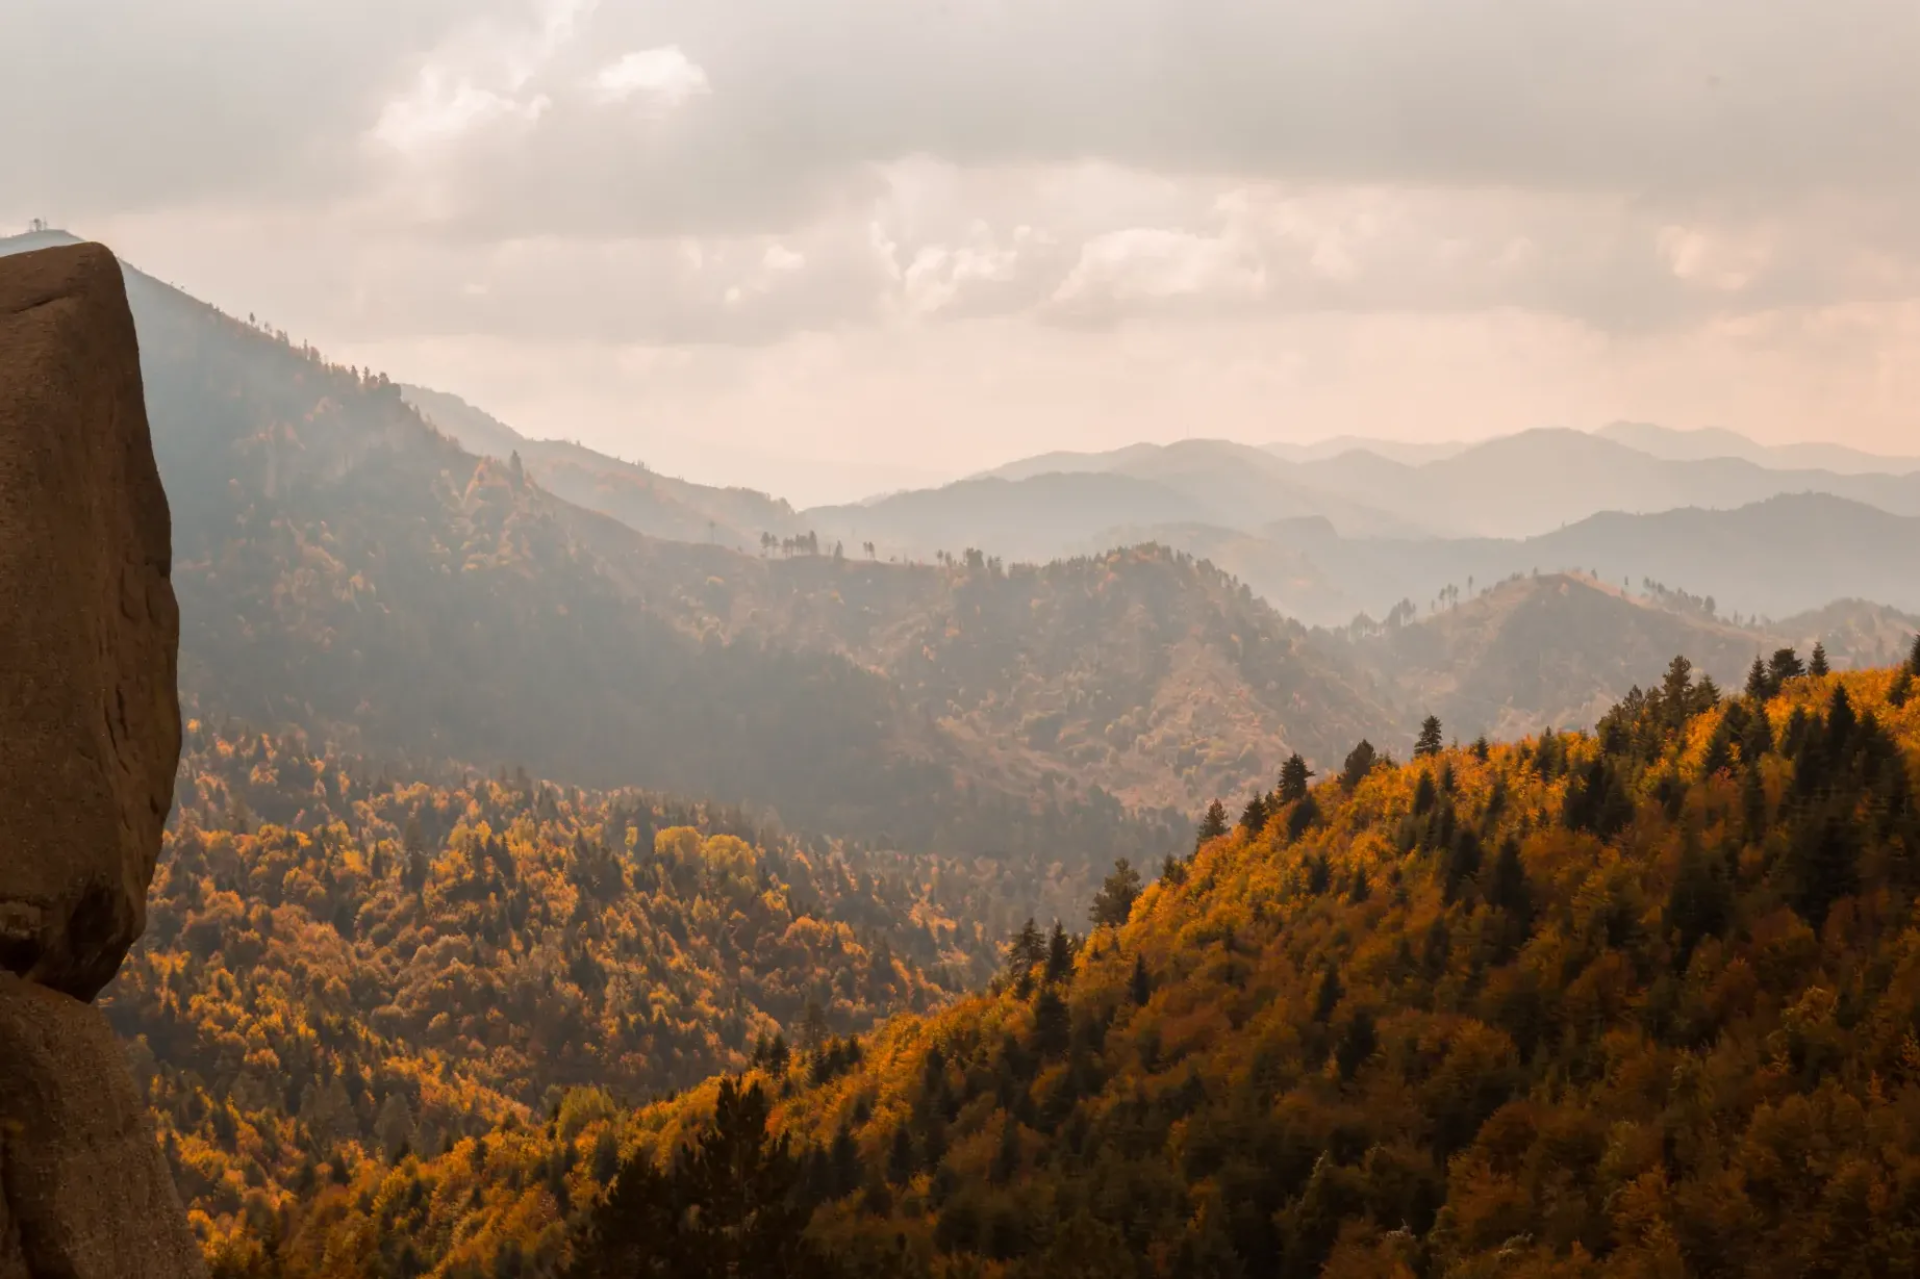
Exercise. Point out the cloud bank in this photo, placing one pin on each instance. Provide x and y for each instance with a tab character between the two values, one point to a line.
1625	191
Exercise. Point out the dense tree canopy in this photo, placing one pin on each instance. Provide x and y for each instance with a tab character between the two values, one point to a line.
343	966
1635	1002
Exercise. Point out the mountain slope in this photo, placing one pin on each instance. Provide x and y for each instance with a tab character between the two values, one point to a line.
1026	519
1785	555
1249	488
1532	653
340	960
1527	484
1019	512
344	568
1156	678
645	501
1708	442
1631	1004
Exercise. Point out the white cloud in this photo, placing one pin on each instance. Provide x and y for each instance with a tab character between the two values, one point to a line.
482	73
1144	266
1019	195
439	111
780	260
662	78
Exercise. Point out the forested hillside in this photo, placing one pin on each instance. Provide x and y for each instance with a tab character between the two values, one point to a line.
1529	653
1634	1003
340	961
642	499
344	569
1639	1002
1141	671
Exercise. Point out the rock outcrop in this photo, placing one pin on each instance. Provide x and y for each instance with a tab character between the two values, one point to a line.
89	742
87	1192
89	632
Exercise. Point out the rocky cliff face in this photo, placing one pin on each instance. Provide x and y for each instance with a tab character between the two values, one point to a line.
89	741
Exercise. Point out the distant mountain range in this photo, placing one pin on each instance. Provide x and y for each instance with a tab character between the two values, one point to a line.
1777	557
364	560
1712	442
1556	650
1326	540
1667	442
642	499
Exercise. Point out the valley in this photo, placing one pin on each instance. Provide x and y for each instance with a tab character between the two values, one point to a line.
540	814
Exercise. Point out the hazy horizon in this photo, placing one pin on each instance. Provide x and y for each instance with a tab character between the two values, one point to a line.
846	247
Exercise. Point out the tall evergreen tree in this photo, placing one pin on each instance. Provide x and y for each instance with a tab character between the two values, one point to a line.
1059	955
728	1206
1213	825
1254	816
1759	683
1817	663
1913	659
1508	889
1359	763
1114	902
1027	950
1785	665
1430	741
1294	778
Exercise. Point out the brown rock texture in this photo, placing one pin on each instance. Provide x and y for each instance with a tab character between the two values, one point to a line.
87	1194
89	631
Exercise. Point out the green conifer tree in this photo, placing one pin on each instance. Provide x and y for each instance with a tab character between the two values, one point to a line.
1294	779
1431	740
1360	762
1213	825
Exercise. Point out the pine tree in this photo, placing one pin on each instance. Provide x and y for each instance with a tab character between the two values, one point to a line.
1719	749
1817	664
1756	739
1786	665
1360	761
1141	985
1254	816
1027	950
729	1204
1213	825
1052	1024
1059	955
1507	887
1328	996
1114	902
900	1162
1431	741
1913	660
1699	904
1294	778
1676	691
1826	861
1759	684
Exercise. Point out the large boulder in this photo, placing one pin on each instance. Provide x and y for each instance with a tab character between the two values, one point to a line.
86	1192
89	631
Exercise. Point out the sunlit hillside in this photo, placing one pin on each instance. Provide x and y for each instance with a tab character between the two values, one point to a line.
1631	1003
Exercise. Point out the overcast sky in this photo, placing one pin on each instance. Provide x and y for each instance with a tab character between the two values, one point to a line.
830	246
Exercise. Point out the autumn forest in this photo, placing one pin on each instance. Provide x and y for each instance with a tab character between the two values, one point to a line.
577	872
